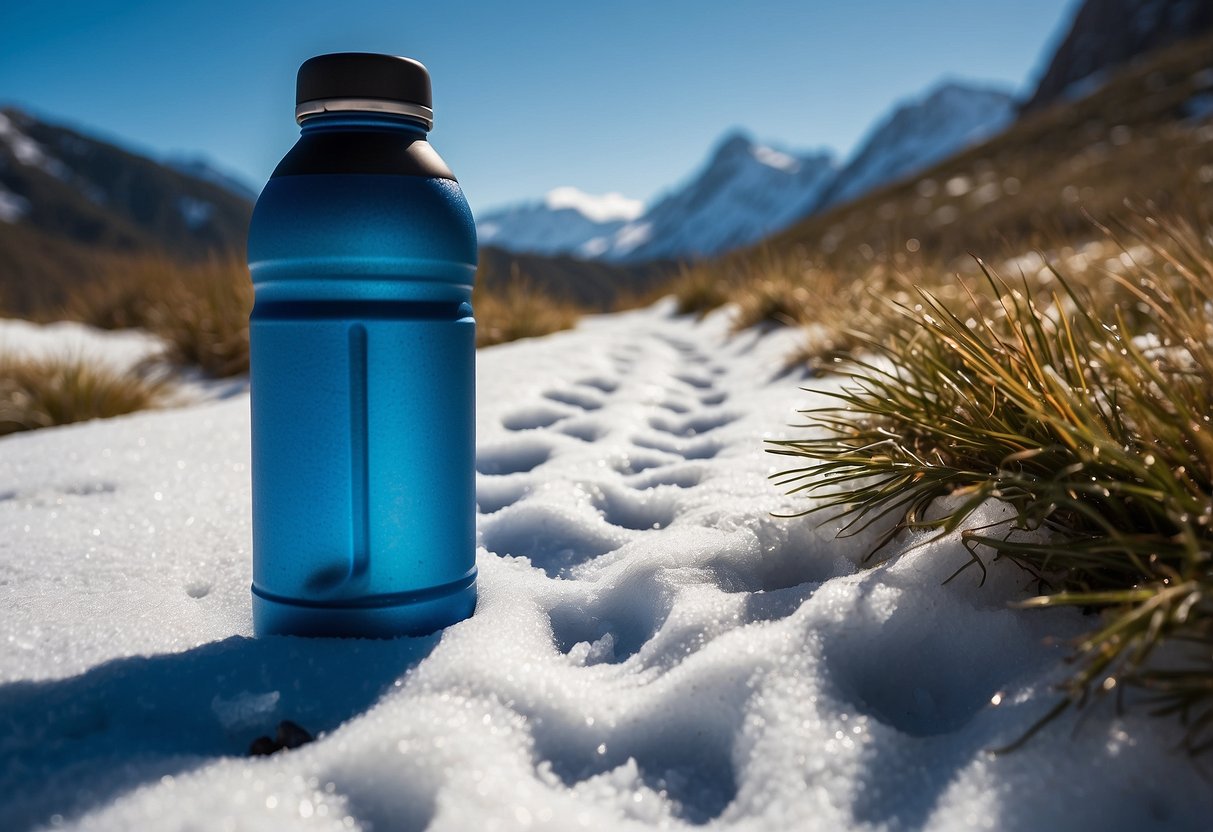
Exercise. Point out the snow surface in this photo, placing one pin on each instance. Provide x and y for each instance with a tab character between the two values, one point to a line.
566	221
547	227
195	212
652	648
123	350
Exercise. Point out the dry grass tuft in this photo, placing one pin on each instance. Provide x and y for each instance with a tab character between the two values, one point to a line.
201	311
781	298
1089	415
203	315
701	288
44	392
519	310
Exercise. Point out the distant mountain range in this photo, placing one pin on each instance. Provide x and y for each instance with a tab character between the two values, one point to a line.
70	202
566	221
67	199
747	191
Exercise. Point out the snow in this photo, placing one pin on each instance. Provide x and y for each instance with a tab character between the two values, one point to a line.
567	221
744	192
12	206
652	647
123	350
771	157
195	212
599	208
28	152
631	236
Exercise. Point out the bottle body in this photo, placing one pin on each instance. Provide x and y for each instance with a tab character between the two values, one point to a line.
362	352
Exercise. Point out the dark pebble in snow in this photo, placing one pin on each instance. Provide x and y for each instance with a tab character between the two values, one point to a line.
289	735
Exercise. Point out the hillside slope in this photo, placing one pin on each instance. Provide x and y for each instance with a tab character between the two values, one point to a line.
919	132
1105	35
1145	136
69	201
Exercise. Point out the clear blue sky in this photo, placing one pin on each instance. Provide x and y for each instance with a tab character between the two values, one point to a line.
621	96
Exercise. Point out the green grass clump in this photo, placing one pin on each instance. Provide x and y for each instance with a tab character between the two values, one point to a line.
44	392
1091	418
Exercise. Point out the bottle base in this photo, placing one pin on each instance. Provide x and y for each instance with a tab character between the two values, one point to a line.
278	617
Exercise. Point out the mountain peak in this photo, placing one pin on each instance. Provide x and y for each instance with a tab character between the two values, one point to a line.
949	87
735	143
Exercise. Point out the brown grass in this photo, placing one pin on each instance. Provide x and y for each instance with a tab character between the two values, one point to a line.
1036	184
1081	401
44	392
519	310
201	311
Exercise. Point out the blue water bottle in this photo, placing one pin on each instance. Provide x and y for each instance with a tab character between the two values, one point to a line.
362	251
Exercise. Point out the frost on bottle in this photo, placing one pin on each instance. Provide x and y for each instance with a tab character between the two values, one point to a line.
362	252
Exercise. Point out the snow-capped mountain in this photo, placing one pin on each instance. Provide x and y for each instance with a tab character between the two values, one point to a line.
919	133
748	191
67	199
745	192
91	191
566	221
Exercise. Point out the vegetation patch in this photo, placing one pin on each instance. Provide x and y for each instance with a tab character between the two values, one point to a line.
518	309
1089	414
44	392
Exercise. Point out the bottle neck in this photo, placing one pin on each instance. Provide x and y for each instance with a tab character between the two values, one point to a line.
356	120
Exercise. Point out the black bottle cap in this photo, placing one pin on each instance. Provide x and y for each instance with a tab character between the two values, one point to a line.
364	81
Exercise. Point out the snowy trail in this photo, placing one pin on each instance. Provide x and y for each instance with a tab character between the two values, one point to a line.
651	648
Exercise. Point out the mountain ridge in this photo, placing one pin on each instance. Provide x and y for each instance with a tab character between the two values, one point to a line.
748	190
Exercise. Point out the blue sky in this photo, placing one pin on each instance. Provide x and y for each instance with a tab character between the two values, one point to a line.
622	96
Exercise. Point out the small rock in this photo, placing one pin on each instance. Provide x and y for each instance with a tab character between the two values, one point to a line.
291	735
262	746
